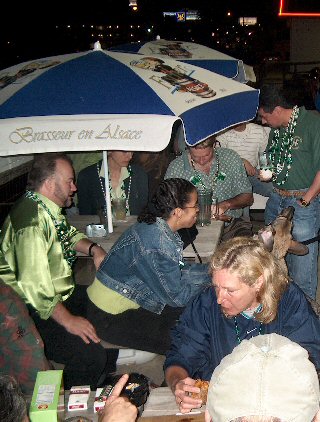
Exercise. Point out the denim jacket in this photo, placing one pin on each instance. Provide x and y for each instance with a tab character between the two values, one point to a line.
146	266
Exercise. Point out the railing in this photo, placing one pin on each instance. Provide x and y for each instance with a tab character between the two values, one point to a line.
282	71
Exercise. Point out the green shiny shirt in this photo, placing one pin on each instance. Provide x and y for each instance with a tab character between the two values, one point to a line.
31	257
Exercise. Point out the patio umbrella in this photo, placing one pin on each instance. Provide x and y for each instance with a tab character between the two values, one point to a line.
193	53
102	100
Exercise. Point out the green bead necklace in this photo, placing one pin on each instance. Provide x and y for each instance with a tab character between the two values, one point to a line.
280	155
123	192
197	181
61	228
245	315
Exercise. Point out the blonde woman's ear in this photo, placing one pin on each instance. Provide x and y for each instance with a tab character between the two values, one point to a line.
258	284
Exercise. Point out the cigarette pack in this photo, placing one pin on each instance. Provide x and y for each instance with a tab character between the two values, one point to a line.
47	404
78	398
101	397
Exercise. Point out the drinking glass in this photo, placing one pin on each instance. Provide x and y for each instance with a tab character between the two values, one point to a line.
205	202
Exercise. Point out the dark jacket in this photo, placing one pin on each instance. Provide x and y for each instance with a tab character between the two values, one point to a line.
146	265
203	335
90	194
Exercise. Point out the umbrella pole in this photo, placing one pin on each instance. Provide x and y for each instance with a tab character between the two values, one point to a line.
107	190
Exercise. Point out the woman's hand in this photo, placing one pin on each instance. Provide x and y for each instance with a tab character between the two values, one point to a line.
182	392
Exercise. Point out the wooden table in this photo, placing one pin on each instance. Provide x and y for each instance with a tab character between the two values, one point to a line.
206	242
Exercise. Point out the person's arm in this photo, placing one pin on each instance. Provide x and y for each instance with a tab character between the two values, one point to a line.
313	190
76	325
232	165
250	170
96	251
173	285
191	353
118	409
240	201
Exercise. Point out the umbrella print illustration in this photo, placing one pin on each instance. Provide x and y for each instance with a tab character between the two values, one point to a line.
195	54
181	81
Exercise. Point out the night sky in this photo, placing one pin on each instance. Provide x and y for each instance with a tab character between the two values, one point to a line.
28	30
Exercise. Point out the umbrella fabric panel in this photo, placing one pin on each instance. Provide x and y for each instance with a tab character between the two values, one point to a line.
72	88
190	52
219	115
107	100
30	135
227	68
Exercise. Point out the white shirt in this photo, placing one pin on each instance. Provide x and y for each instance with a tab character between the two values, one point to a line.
249	143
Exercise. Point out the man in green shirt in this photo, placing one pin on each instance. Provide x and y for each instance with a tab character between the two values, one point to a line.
37	251
294	157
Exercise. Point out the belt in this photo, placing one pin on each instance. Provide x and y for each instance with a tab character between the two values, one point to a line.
290	193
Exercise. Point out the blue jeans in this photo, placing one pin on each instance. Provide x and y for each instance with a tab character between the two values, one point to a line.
306	224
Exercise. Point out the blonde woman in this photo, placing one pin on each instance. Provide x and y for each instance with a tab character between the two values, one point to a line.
250	295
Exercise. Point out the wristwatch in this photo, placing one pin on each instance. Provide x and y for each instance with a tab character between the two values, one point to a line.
304	203
91	246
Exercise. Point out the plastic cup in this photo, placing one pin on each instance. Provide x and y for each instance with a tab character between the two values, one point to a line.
119	209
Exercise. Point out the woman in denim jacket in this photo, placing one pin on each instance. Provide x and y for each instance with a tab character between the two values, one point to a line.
143	284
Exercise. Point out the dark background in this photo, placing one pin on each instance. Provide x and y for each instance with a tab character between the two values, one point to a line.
30	31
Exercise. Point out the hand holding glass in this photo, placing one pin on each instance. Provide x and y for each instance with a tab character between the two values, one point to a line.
265	174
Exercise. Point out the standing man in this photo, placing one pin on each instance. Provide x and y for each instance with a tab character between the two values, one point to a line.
294	153
37	251
249	140
219	169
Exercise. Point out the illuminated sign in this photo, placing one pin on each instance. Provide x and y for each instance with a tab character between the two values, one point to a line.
307	8
193	15
246	21
181	16
188	15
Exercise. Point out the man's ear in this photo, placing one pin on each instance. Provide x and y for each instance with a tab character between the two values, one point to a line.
278	109
48	184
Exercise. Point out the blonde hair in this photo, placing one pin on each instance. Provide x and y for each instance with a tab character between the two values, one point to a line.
209	142
248	259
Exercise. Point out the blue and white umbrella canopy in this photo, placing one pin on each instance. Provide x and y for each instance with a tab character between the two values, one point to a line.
195	54
103	100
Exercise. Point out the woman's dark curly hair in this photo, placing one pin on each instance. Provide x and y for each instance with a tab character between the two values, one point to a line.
171	193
